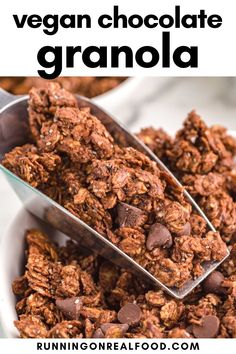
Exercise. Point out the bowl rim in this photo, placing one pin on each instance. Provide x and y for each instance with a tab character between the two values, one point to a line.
7	328
122	91
129	81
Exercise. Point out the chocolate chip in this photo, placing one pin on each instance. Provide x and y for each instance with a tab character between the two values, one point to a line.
189	329
208	329
98	333
186	230
70	307
129	216
122	327
130	314
212	284
158	236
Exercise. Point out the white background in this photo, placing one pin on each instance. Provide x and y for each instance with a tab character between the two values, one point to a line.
19	47
206	346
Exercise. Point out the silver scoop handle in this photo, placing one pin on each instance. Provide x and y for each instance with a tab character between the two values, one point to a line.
11	128
6	98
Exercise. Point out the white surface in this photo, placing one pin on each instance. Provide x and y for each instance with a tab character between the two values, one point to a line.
213	98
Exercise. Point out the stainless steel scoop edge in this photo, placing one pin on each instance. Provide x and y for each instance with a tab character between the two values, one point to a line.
13	132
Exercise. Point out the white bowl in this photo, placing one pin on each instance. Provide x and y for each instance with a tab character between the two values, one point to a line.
122	101
12	253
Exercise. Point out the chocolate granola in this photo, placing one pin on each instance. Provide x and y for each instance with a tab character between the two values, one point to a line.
117	190
203	160
69	293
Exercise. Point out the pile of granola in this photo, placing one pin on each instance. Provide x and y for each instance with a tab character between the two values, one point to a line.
117	190
202	158
86	86
67	292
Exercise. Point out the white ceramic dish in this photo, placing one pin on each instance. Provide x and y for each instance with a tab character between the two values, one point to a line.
12	252
123	99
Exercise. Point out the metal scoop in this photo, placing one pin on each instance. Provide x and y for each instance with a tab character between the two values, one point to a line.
14	131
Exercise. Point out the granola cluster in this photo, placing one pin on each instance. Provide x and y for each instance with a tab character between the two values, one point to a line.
203	160
67	292
85	86
117	190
